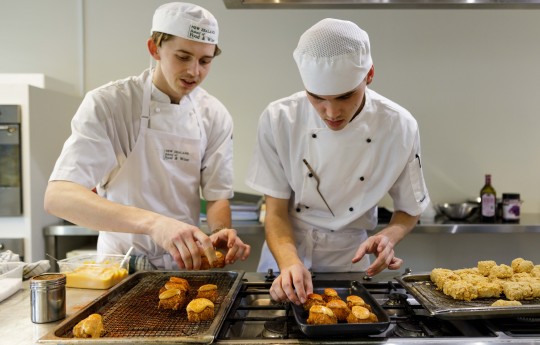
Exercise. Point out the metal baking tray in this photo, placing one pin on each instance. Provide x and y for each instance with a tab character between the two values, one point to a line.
130	313
445	307
344	289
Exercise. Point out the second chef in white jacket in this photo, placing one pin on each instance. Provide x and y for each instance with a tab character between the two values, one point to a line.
325	157
149	144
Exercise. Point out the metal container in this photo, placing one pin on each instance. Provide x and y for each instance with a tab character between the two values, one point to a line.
48	297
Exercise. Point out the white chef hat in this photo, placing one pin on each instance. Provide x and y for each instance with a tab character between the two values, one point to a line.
187	21
333	57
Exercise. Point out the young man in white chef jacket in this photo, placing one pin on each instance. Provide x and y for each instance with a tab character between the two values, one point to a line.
150	143
325	157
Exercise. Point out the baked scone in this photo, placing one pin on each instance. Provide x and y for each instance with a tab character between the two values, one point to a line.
330	294
519	265
501	271
360	314
219	263
354	300
179	286
460	290
91	327
321	315
535	272
535	286
488	289
208	291
440	276
484	267
172	298
339	308
200	309
313	299
178	282
516	291
505	303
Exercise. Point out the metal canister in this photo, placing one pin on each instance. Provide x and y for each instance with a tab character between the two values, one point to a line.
510	207
48	297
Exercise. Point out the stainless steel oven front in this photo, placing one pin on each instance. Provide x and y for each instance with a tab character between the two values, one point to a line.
10	161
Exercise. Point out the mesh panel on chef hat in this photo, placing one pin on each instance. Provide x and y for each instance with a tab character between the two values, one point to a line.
333	57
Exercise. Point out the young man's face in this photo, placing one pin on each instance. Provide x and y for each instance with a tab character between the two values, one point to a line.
338	110
182	66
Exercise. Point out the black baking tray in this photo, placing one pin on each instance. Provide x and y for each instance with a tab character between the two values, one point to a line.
445	307
344	289
130	313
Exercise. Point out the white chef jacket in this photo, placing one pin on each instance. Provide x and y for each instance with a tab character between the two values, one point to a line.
105	130
377	153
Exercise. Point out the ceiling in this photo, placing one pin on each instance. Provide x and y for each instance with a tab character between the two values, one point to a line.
351	4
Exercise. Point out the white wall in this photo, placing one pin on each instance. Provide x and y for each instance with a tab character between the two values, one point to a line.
470	77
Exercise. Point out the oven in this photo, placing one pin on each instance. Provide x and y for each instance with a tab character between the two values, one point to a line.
10	161
246	315
255	319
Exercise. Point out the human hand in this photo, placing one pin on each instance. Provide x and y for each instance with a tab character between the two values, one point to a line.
383	249
236	248
183	241
293	284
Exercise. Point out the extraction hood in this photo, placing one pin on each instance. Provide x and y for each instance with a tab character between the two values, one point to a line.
351	4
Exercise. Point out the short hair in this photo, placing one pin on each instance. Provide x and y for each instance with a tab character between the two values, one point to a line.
160	37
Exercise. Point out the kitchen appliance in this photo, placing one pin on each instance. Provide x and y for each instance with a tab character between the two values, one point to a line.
253	318
10	161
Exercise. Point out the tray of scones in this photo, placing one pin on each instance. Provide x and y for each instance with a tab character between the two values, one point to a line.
340	308
487	290
155	307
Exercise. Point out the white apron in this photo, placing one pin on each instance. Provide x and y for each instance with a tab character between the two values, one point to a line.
335	157
161	174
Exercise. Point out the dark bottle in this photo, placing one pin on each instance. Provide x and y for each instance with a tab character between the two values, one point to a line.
488	202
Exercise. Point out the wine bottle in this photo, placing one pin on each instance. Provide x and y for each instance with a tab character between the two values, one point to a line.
488	201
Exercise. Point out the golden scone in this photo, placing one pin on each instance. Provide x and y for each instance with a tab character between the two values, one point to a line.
520	265
484	267
535	286
321	315
91	327
440	276
360	314
178	281
330	294
488	289
313	299
460	290
200	309
339	308
501	271
353	300
179	286
535	272
208	291
504	303
467	271
171	299
474	278
219	263
516	291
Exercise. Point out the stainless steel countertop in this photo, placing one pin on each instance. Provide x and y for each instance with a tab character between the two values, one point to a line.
17	328
529	223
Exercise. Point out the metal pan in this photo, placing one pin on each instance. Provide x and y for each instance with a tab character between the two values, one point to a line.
445	307
344	289
130	313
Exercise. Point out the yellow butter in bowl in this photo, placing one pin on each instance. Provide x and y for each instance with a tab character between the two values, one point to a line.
94	271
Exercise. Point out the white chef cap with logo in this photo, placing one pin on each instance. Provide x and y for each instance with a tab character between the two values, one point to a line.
333	57
187	21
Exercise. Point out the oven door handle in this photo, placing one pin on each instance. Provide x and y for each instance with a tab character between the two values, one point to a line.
8	129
